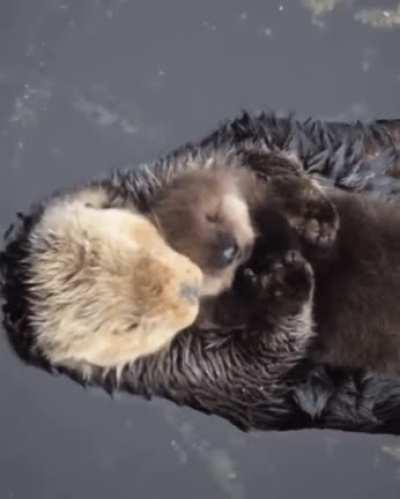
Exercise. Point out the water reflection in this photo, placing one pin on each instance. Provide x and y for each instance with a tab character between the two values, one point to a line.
376	17
379	18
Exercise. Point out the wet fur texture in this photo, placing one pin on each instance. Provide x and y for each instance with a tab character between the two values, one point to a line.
255	380
358	287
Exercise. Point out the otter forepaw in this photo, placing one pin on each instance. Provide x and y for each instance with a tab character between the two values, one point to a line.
307	209
289	280
319	223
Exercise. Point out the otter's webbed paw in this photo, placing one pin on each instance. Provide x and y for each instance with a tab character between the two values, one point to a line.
306	208
296	195
282	288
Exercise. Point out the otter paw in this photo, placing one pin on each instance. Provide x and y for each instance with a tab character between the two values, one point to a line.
319	224
289	280
306	208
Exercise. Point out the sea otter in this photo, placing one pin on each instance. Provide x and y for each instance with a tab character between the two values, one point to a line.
234	375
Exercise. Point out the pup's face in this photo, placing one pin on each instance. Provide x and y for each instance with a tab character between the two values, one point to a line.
204	216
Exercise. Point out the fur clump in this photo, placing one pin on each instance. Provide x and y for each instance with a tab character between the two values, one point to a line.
254	379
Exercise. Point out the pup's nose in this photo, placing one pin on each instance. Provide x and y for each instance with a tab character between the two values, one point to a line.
189	292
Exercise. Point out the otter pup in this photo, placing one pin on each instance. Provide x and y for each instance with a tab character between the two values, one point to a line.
346	246
210	216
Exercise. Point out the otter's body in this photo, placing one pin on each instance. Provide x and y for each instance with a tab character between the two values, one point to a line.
355	307
357	298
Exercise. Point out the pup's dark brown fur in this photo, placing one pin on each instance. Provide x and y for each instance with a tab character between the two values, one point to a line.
358	287
353	245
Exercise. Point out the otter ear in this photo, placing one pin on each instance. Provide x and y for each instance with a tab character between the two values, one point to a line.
101	287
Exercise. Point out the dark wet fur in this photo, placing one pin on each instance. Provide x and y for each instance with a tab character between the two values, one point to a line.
358	288
356	302
238	376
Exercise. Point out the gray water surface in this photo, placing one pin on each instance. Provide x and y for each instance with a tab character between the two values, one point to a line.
86	85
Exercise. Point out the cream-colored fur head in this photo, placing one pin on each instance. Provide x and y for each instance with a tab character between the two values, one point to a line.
106	289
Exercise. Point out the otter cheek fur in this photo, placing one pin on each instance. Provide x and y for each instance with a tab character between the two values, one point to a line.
205	216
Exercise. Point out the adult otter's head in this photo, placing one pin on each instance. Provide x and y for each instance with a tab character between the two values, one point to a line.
204	215
102	286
